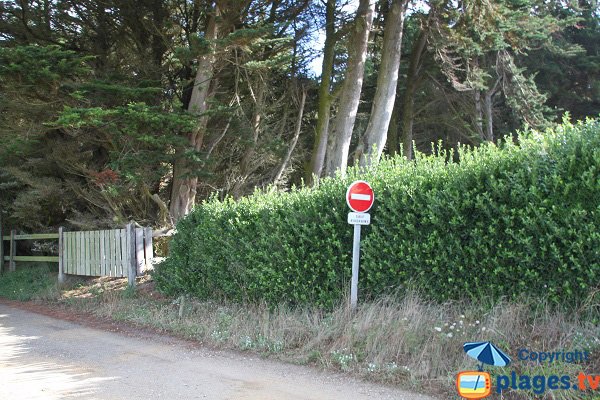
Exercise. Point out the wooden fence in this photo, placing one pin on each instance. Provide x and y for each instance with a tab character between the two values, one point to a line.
117	253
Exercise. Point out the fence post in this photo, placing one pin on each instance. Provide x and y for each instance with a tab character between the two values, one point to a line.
132	264
148	250
139	250
61	255
13	251
1	246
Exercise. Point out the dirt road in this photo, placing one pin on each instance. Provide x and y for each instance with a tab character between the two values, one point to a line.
46	358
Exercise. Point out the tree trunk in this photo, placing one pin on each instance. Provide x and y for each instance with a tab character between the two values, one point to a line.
478	113
183	194
248	161
288	156
341	134
317	160
393	133
413	81
375	136
488	103
408	118
489	122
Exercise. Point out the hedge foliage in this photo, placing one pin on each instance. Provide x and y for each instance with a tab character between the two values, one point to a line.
505	220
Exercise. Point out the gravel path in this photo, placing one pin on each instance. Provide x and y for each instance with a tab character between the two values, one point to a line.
46	358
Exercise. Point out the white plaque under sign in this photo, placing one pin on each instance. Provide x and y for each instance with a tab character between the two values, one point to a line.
356	218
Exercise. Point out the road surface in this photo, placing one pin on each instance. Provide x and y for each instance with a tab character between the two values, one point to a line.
47	358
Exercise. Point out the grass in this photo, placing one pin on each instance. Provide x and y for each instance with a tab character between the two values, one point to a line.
29	282
401	340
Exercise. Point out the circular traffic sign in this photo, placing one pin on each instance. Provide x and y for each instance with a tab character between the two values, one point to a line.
360	196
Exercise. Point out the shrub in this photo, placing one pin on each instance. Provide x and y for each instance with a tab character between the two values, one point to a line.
506	219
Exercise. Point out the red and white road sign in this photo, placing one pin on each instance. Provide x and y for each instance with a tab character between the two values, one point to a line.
360	196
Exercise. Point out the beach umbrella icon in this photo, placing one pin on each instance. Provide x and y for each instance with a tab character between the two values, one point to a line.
486	353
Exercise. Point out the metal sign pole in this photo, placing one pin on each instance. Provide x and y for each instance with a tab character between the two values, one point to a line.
355	266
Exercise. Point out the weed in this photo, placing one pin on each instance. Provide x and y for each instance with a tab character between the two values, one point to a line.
400	339
29	283
343	359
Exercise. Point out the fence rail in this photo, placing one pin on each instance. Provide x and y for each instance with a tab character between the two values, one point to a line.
12	256
116	253
34	258
33	236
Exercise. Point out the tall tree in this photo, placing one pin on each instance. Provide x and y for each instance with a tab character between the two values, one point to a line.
413	80
341	134
570	79
476	44
317	160
374	138
185	181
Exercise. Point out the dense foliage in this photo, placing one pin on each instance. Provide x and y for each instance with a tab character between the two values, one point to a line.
503	221
124	110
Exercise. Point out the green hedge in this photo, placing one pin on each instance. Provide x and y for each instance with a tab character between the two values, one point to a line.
505	220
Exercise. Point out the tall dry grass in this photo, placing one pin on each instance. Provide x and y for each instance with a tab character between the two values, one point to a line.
400	339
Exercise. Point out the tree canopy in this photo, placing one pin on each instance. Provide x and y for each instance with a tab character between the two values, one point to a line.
119	110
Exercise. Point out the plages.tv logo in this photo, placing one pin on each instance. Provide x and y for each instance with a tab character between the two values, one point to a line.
478	384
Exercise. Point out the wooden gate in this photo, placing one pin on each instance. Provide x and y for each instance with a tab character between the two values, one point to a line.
96	253
116	253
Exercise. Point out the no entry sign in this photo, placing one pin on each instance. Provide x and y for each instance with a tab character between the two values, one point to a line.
360	196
